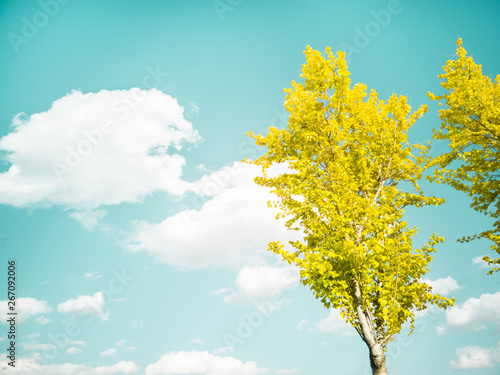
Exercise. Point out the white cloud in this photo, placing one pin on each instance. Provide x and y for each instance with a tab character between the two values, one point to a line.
473	357
121	342
93	275
480	262
196	341
219	291
37	347
105	148
443	286
88	218
85	305
31	365
223	350
73	350
287	371
232	229
108	353
201	363
261	283
334	323
130	348
303	323
25	308
193	108
76	342
42	320
473	315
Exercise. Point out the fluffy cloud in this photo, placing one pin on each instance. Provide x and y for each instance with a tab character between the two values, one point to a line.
108	353
201	363
96	149
85	305
223	350
473	357
261	283
444	286
31	365
473	315
334	323
25	308
73	350
232	229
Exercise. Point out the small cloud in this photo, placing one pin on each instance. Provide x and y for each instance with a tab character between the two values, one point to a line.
223	350
108	353
193	109
76	342
121	342
444	286
201	167
37	347
219	291
130	349
474	357
42	320
88	218
287	371
473	315
480	262
73	350
334	323
195	362
26	307
44	282
85	305
196	341
303	323
256	284
93	275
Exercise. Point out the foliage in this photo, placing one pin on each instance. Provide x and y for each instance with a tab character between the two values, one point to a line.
351	174
471	124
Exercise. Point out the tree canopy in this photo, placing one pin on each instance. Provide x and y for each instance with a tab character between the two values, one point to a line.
351	174
471	124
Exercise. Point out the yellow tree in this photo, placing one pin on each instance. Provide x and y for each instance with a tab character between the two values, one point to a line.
471	124
351	173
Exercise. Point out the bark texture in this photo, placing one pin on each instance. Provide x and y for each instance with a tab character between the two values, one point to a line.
377	360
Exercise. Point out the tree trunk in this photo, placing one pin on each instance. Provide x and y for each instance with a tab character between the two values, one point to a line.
377	360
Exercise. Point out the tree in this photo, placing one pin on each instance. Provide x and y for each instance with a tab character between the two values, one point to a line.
348	162
471	124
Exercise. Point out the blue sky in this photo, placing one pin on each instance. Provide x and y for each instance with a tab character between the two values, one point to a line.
139	237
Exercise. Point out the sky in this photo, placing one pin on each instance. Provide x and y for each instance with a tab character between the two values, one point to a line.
139	238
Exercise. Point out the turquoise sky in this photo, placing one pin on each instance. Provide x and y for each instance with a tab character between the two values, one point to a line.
138	235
